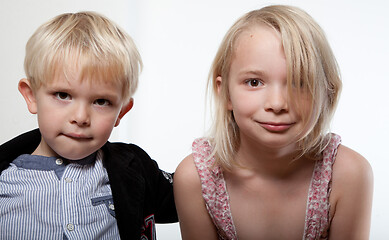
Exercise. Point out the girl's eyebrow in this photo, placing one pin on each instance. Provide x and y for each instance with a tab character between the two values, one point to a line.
252	72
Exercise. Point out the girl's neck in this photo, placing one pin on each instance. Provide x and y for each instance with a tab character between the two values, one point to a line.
270	162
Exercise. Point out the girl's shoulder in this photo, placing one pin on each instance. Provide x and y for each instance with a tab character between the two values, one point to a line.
346	162
352	174
187	169
350	169
350	166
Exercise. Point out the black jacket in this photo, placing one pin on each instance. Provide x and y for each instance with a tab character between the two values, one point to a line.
142	193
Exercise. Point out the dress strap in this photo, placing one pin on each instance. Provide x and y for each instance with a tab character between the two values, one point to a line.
214	189
318	205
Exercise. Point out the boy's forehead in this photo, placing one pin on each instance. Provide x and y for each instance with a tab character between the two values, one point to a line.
73	72
73	78
76	78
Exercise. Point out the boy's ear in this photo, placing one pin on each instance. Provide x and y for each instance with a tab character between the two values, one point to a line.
25	89
219	81
125	109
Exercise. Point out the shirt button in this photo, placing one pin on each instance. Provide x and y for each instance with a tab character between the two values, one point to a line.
68	180
58	161
111	206
70	227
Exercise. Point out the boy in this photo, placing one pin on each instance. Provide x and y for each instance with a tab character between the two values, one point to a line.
65	181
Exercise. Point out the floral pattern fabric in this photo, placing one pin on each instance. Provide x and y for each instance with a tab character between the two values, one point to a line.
216	197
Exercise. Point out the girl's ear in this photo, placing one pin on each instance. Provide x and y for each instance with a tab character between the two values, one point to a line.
125	109
219	81
25	89
219	84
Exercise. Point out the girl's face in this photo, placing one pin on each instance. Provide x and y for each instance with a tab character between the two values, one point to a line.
258	91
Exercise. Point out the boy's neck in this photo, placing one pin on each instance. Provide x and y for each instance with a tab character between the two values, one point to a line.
44	150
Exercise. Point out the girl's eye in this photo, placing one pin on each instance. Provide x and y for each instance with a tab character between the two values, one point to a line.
102	102
62	96
299	84
254	82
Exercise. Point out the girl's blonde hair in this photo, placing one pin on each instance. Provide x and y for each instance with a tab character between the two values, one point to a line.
99	49
310	64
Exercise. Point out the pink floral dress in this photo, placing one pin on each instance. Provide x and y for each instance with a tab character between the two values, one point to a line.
216	197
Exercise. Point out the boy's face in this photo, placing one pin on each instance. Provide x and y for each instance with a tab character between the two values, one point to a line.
76	117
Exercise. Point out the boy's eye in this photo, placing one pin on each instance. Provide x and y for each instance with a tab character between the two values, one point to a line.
253	82
62	96
102	102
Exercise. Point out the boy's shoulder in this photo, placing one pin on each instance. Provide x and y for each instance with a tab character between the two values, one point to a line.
122	157
126	152
23	144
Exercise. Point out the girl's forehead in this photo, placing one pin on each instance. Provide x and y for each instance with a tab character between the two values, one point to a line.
258	47
258	31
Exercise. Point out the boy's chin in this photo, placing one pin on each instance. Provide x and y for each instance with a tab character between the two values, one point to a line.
77	157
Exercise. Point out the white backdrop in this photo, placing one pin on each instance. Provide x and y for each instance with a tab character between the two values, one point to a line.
178	40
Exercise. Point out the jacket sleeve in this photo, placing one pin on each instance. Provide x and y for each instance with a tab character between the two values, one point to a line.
159	189
138	185
165	206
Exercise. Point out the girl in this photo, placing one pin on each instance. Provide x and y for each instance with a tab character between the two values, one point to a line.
270	169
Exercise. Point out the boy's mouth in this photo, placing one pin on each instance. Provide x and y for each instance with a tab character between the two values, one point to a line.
77	136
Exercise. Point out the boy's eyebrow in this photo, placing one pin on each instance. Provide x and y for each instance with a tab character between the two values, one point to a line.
107	95
52	87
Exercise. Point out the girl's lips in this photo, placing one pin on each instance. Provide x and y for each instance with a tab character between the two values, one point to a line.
276	127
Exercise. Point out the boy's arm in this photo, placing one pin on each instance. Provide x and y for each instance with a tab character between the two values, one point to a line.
195	222
351	196
166	211
159	197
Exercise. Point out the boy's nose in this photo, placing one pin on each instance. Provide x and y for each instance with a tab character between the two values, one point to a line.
81	115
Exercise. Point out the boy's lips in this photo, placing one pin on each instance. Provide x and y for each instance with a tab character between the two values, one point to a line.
276	127
77	136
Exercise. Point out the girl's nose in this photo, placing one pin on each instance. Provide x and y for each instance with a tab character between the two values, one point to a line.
80	115
276	100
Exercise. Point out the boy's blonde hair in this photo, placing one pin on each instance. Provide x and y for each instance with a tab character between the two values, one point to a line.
99	48
310	64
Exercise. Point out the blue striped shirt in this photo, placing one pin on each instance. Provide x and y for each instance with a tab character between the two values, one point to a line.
51	198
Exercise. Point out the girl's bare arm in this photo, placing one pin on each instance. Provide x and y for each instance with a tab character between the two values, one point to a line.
352	196
195	222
